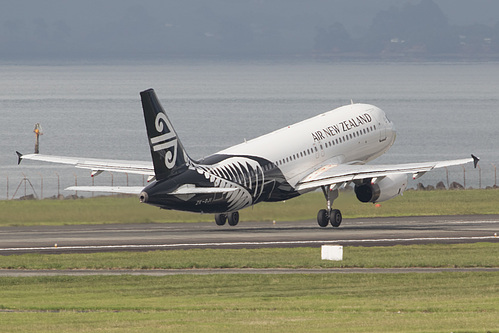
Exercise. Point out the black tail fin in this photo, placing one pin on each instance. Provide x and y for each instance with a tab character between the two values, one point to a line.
168	154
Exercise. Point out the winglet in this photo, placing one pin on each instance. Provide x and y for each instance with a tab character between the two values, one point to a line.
19	157
475	160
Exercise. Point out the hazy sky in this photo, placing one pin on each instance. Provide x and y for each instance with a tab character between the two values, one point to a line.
62	29
85	13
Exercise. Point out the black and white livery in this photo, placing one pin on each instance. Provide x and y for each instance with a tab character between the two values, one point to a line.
325	152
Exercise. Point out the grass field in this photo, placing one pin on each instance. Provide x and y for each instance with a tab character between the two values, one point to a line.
129	210
434	255
438	302
409	302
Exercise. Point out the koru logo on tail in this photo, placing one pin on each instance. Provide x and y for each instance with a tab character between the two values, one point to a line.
167	141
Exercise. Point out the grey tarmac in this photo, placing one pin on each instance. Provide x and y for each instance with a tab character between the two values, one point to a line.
163	236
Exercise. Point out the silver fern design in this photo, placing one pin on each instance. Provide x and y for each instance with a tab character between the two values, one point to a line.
240	173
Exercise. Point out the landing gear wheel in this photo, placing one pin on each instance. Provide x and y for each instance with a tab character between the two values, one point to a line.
233	218
220	219
335	218
323	218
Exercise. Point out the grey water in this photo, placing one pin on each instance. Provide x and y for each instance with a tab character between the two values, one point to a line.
440	110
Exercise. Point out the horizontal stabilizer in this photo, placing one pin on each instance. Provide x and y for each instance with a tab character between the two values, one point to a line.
108	189
185	189
191	189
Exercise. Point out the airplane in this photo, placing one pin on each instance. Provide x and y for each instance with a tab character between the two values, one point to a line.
327	152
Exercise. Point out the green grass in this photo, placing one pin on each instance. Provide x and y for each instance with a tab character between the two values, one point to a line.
414	302
435	255
410	302
438	302
305	207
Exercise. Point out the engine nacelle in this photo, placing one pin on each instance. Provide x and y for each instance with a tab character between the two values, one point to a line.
387	188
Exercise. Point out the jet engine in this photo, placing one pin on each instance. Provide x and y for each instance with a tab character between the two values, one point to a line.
377	190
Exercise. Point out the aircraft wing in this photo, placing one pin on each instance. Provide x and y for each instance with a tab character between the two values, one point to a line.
96	165
336	174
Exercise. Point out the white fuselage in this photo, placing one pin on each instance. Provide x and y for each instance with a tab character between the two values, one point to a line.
351	134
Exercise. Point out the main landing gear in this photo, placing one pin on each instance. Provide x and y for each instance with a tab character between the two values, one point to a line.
333	216
232	218
326	216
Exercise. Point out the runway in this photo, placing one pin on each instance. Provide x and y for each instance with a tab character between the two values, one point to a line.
166	236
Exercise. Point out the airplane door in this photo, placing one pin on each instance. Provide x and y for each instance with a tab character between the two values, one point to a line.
319	150
316	150
382	132
381	127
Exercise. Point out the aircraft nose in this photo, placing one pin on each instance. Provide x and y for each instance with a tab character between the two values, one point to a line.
143	197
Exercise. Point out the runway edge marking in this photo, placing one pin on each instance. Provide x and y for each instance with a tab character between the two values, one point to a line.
219	244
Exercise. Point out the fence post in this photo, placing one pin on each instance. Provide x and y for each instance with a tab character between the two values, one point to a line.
447	176
58	185
495	175
112	182
76	184
41	187
479	177
464	177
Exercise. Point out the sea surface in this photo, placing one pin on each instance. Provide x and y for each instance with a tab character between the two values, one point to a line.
440	110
